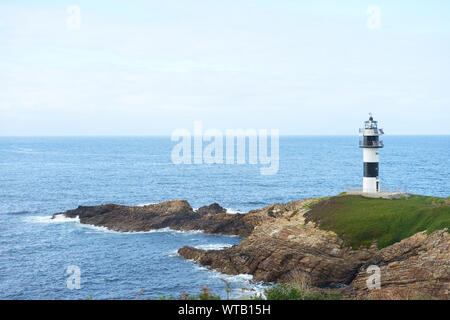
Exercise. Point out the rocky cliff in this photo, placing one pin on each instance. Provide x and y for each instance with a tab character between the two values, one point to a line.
280	244
283	244
288	246
416	267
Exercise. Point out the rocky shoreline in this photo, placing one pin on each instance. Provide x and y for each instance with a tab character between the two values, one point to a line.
280	244
175	214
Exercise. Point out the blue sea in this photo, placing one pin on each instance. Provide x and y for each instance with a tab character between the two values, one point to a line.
41	176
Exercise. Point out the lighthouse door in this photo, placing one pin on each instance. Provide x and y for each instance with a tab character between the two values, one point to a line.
378	186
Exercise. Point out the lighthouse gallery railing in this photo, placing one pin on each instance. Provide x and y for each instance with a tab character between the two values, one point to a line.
374	144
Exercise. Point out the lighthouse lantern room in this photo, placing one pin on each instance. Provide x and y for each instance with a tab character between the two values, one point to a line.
370	142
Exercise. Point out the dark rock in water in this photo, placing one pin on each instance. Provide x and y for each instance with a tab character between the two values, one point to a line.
175	214
211	209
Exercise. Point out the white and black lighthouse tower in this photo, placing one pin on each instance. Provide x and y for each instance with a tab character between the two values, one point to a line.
370	142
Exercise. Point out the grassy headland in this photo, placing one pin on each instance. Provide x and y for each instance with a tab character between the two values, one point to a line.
360	221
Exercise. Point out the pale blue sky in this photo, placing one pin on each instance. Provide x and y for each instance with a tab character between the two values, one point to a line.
149	67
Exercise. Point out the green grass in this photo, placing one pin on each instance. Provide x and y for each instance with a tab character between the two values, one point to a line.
315	201
360	221
205	294
280	291
287	292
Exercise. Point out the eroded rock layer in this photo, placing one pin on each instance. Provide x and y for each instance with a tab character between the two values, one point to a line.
281	245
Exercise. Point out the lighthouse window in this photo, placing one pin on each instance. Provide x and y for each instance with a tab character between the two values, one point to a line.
370	140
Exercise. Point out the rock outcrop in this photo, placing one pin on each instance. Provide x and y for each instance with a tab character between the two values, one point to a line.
281	241
414	268
211	209
176	214
284	243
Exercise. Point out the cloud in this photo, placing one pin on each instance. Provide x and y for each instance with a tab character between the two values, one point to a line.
278	64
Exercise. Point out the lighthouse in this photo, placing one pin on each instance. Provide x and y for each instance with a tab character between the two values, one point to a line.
370	142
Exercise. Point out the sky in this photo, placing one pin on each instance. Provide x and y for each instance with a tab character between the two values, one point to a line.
150	67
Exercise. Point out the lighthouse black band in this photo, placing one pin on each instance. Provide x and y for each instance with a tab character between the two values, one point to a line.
370	169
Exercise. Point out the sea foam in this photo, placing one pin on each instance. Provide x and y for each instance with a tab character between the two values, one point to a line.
213	246
49	219
232	211
63	219
242	285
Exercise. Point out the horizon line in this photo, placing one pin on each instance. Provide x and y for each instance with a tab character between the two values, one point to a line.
168	135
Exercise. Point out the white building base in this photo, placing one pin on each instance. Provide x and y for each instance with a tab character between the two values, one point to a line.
371	185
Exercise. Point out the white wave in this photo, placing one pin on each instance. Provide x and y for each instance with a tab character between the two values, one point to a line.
213	246
25	150
229	210
103	229
145	204
187	232
242	285
167	230
232	211
174	253
251	290
163	230
237	277
49	219
63	219
98	229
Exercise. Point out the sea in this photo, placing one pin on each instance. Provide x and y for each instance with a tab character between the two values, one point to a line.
40	176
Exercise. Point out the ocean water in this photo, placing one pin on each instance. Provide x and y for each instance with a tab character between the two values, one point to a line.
41	176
